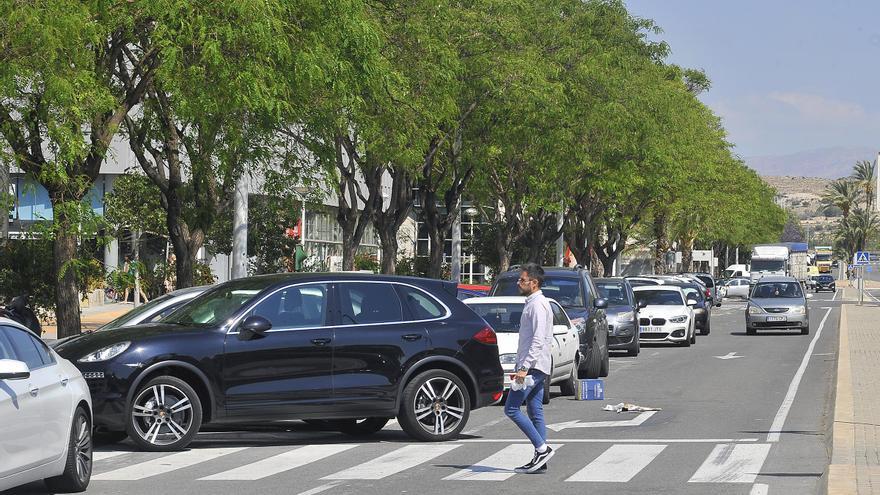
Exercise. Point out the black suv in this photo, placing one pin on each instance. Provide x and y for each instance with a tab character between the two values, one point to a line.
825	282
574	290
347	350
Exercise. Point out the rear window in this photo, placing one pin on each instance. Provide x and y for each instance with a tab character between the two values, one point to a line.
660	298
564	290
706	280
614	293
502	317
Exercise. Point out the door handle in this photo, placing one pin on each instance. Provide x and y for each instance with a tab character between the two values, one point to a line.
34	391
412	337
64	381
321	341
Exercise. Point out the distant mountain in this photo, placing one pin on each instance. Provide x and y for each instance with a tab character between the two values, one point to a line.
829	163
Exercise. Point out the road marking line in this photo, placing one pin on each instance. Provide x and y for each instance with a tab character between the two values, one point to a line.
393	462
280	463
499	466
868	292
782	414
322	488
165	464
100	456
730	463
616	440
835	294
620	463
636	421
759	489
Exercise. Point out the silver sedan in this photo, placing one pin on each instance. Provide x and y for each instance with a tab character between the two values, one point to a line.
778	303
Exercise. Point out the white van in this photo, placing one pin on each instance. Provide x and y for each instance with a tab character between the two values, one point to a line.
734	271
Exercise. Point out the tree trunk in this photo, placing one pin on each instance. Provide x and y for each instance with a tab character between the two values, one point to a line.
4	190
388	241
502	247
388	222
349	250
661	238
687	254
438	250
66	293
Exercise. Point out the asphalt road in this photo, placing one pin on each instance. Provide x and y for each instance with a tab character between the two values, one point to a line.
757	422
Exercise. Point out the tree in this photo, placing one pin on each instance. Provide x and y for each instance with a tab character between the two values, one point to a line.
68	78
792	232
842	194
863	175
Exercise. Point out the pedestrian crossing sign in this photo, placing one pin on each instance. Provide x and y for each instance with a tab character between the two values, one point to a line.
862	258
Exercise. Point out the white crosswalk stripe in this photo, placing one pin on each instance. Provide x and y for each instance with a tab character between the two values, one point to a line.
393	462
499	466
732	463
620	463
165	464
280	463
729	462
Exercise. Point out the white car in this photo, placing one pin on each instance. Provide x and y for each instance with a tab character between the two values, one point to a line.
666	315
503	314
738	287
45	415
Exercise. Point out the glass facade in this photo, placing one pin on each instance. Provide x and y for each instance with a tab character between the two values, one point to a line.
472	272
323	238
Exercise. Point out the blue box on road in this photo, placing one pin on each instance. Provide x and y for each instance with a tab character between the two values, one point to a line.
590	390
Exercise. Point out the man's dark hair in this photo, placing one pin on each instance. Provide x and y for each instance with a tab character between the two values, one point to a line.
534	272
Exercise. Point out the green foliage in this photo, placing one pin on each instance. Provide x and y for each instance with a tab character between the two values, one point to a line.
134	205
366	261
269	247
24	270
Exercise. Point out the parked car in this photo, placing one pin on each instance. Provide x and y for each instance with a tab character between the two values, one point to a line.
777	302
810	284
715	298
353	349
738	287
702	308
503	314
467	291
666	315
622	314
824	282
45	415
574	290
643	281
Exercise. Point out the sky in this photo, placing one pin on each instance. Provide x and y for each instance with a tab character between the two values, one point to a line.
787	76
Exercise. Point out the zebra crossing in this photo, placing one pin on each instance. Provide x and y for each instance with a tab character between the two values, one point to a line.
455	462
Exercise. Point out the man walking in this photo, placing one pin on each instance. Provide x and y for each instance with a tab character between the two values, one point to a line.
532	359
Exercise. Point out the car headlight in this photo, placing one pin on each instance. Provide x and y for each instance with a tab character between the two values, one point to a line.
678	319
106	353
624	317
508	358
755	310
798	310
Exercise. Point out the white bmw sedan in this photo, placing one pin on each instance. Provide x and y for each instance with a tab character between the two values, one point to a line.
666	315
45	415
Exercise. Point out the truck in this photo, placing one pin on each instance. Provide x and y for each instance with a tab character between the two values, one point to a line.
823	258
769	259
798	260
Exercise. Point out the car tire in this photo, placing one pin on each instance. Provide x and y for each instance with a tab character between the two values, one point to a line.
693	338
751	331
603	371
78	467
151	411
359	427
108	437
707	328
805	331
594	363
569	386
634	348
418	401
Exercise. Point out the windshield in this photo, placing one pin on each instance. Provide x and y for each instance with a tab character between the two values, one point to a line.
824	278
707	281
614	293
503	318
215	306
823	257
768	265
132	315
659	298
769	290
692	293
565	290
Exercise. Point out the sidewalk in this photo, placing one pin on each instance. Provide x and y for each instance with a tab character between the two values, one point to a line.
855	460
93	317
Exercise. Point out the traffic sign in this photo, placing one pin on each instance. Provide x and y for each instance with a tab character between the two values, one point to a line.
862	258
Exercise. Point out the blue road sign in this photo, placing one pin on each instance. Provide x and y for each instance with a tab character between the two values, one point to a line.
862	258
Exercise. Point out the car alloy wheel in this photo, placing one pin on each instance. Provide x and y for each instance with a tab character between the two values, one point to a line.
78	467
165	415
83	450
435	406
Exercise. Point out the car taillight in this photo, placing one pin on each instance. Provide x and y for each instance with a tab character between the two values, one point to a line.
486	336
708	294
497	396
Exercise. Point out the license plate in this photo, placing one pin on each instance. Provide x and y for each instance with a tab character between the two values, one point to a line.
643	329
776	318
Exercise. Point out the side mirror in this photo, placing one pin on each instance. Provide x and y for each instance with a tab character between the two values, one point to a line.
560	330
13	370
253	327
601	303
691	302
642	304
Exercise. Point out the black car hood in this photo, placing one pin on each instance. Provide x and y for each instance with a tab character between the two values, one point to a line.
76	347
614	310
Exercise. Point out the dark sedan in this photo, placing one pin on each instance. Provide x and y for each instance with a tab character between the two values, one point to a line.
824	282
622	314
351	350
703	308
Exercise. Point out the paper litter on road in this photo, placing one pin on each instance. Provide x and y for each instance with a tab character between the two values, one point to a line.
625	406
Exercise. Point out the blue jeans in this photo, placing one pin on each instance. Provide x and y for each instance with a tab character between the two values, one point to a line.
533	425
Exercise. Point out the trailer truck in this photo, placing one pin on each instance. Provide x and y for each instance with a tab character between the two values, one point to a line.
768	259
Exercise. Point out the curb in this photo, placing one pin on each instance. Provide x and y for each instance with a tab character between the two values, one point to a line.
842	470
